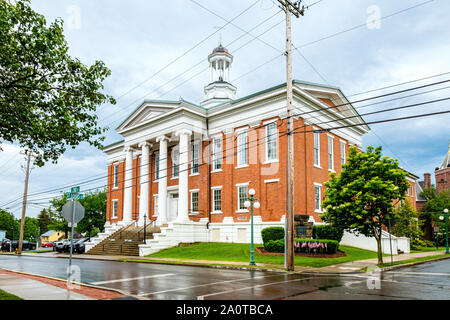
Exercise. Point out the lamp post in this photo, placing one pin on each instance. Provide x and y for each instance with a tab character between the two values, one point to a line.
252	202
445	216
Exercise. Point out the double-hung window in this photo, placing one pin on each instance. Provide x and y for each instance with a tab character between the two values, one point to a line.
217	153
271	142
317	199
114	208
194	156
175	162
194	202
155	206
217	200
343	153
317	148
330	153
157	165
242	197
116	175
242	149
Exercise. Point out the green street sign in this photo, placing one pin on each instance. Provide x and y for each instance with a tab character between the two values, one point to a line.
79	196
75	189
76	196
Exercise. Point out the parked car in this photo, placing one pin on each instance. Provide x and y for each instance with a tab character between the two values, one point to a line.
48	245
79	247
8	245
62	246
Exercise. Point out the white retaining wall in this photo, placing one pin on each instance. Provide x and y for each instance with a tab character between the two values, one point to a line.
369	243
109	230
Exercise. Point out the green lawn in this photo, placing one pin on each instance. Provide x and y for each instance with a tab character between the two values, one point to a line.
414	260
7	296
240	252
427	249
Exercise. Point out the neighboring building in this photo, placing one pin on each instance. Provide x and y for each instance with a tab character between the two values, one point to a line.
189	166
442	174
51	236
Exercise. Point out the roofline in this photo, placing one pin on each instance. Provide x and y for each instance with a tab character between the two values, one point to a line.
113	144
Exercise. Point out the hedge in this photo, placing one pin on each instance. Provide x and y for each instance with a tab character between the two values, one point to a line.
327	231
304	246
272	233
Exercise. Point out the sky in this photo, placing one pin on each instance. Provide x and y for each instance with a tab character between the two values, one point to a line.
157	50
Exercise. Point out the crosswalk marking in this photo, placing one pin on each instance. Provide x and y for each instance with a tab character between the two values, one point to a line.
132	279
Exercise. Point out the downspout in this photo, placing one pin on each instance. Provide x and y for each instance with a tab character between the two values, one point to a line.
209	173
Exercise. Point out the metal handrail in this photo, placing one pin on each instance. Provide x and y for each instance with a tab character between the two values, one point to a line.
120	234
152	223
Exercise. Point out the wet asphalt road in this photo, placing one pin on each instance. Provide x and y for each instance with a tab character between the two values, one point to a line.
158	281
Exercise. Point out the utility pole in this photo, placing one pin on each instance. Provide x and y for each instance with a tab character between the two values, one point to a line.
295	9
24	205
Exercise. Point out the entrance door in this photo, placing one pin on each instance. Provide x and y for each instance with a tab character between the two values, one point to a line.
173	206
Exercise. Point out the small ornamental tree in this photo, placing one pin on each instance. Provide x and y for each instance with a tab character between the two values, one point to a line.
361	198
407	222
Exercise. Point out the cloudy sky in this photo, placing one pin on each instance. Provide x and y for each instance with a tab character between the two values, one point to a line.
158	50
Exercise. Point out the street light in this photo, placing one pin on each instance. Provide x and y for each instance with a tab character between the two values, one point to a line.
253	202
445	216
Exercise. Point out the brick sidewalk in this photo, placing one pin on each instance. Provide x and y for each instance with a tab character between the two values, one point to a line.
30	287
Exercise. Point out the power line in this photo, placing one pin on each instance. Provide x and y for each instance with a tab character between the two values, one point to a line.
295	115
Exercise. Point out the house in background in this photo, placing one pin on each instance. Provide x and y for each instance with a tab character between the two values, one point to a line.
51	236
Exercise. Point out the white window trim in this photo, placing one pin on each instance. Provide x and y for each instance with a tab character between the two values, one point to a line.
116	165
267	143
332	153
239	132
343	143
155	197
176	148
198	144
117	207
212	198
271	180
217	136
317	165
320	197
238	185
157	165
191	192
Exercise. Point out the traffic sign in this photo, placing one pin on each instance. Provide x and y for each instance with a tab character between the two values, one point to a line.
72	214
75	189
76	196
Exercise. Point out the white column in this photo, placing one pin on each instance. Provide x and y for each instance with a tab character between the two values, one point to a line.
144	180
183	188
128	191
162	181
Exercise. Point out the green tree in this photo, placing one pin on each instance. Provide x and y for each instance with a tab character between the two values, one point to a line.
407	223
44	220
94	204
361	198
9	224
429	194
47	98
434	208
31	229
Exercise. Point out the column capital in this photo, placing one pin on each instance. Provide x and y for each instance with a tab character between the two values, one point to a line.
128	149
145	144
162	138
183	132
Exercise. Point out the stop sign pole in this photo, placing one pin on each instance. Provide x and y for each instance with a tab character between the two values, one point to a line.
73	195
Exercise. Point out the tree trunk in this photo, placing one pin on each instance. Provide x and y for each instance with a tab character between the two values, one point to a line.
379	251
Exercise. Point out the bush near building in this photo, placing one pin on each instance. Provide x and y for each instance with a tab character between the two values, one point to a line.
327	231
272	233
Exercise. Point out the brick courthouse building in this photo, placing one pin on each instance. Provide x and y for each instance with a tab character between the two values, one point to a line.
189	166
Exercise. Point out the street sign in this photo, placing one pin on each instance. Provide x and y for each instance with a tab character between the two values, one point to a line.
76	196
68	211
75	189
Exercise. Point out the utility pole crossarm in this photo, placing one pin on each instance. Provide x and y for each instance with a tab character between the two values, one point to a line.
293	8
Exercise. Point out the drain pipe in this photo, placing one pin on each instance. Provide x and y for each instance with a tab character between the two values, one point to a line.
209	173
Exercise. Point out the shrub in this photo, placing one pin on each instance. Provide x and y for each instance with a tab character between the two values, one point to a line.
304	246
327	231
272	233
274	245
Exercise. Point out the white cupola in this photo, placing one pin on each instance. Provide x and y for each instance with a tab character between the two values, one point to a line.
220	89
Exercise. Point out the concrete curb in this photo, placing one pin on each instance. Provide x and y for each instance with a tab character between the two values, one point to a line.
77	283
413	263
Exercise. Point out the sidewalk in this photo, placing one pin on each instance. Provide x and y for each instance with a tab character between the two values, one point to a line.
30	287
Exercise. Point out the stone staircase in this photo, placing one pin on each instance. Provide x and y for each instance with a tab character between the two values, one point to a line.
125	241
